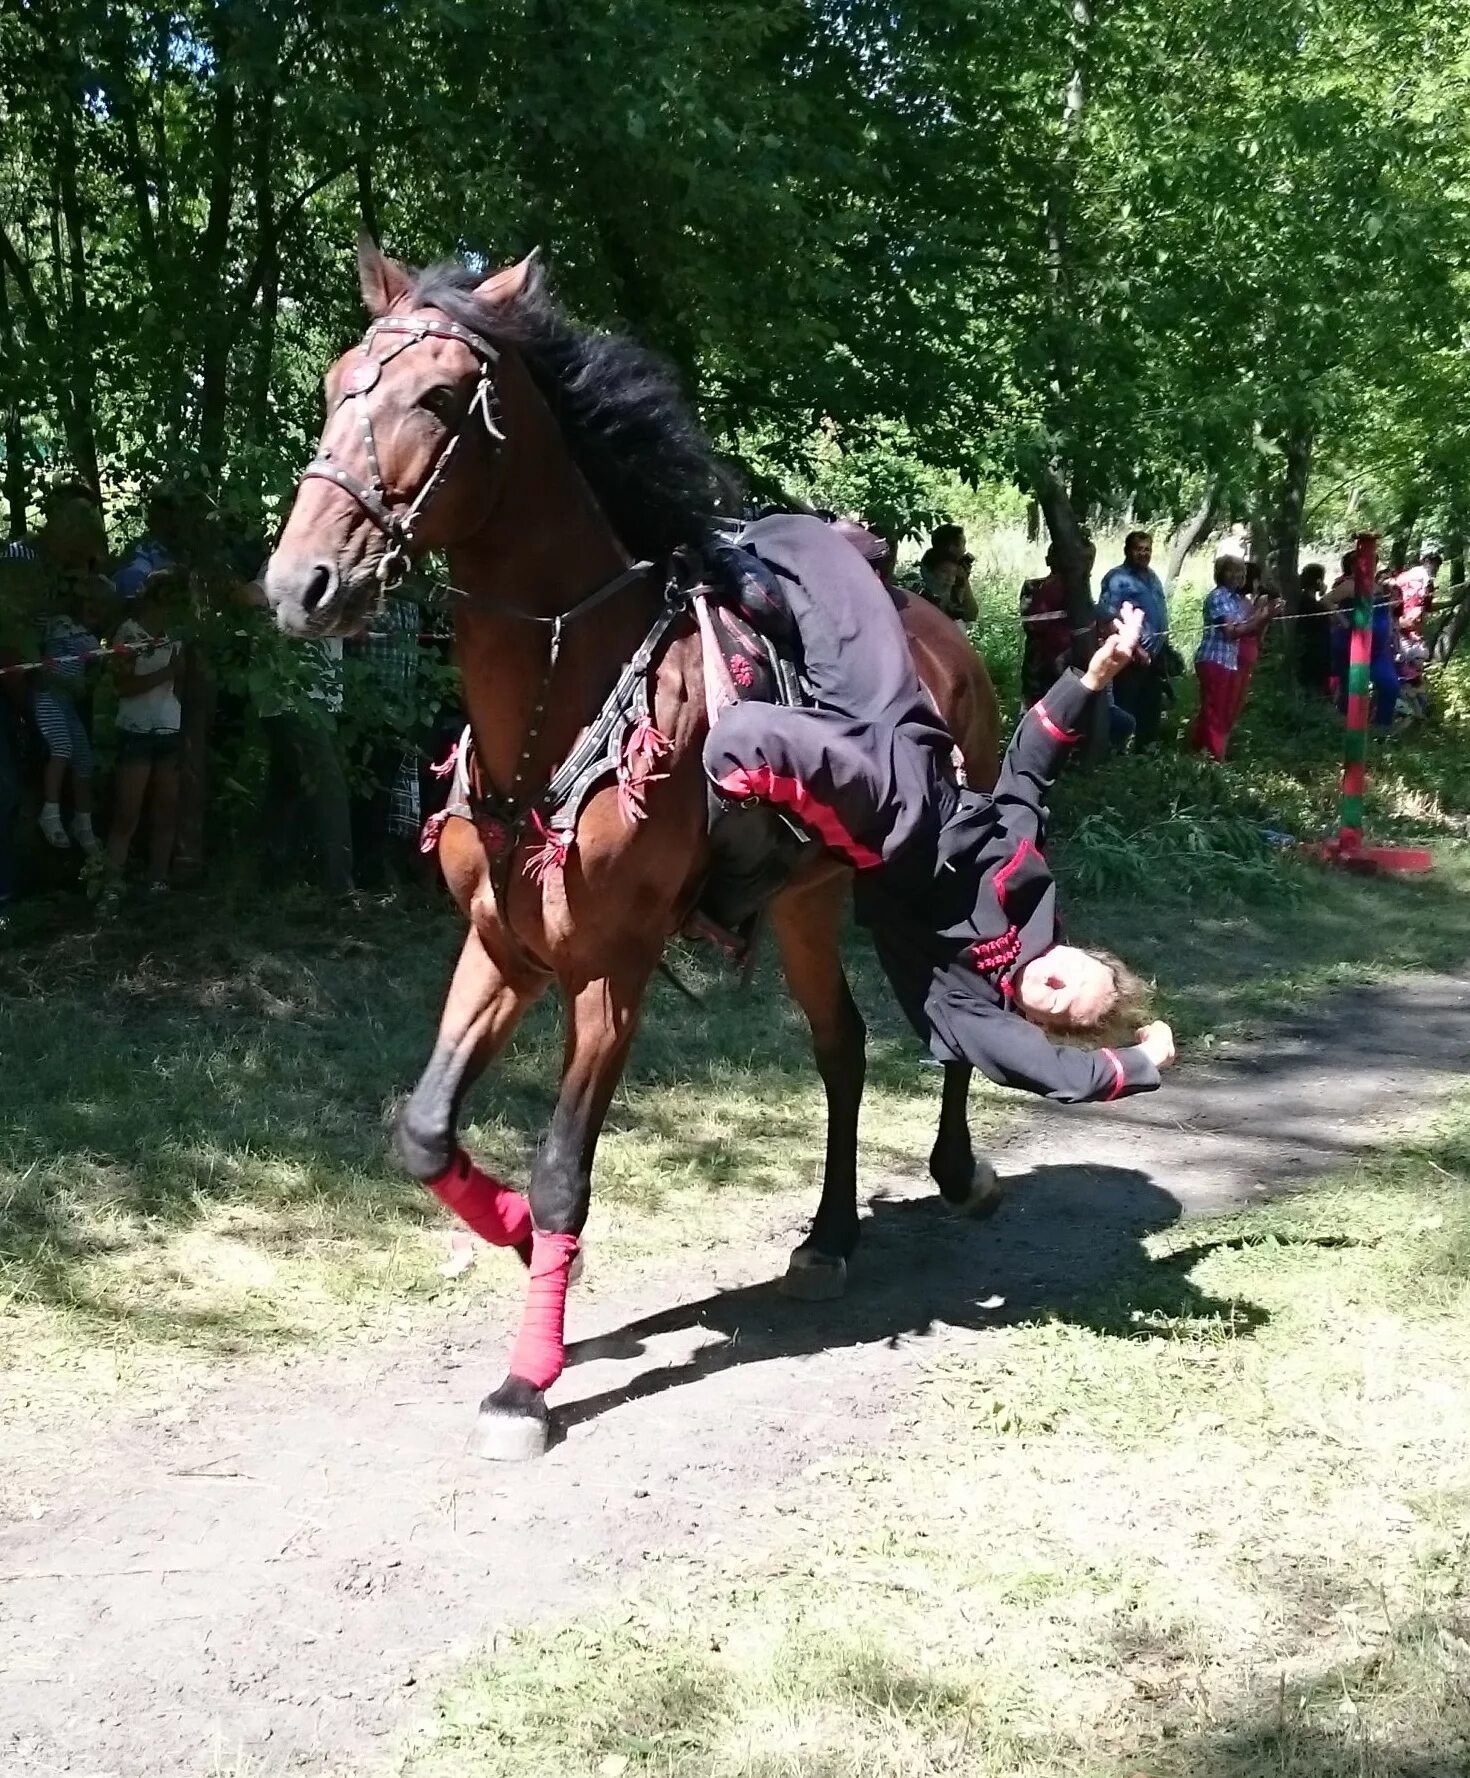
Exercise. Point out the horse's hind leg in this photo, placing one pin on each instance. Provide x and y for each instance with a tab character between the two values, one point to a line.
806	922
602	1018
970	1185
482	1010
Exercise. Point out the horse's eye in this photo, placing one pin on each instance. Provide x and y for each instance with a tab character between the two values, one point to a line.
439	400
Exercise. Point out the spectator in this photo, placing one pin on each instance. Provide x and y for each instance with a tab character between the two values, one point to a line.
1230	617
166	542
1141	688
148	739
1248	645
1046	631
1313	642
67	642
944	575
306	811
1415	589
19	575
381	688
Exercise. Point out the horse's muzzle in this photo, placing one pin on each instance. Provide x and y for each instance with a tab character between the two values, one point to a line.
312	599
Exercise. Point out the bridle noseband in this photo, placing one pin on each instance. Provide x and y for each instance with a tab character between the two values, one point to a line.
372	496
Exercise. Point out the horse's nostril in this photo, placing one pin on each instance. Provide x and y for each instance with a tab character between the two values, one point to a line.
320	585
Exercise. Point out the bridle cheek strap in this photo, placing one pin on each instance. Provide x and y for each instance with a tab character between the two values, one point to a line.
398	525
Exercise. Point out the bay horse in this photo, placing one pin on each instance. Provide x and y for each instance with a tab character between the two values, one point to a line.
560	472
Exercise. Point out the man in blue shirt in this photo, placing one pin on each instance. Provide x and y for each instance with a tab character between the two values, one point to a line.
1140	689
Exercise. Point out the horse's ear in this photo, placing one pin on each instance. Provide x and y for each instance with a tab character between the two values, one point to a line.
384	282
514	281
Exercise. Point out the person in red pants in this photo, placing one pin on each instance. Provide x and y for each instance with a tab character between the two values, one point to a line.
1230	619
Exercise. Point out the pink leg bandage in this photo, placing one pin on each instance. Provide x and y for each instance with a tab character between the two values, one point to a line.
495	1212
540	1349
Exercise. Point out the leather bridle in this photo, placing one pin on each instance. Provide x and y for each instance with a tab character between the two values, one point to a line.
398	523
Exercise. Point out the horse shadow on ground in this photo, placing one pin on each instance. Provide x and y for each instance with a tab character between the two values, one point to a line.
1065	1244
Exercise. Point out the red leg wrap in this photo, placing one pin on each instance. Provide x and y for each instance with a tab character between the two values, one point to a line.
540	1349
495	1212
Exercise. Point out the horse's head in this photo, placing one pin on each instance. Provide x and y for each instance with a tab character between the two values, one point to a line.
402	465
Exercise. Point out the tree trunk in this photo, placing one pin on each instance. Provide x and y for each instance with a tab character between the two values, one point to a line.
268	260
1398	548
158	104
215	313
15	441
81	422
1286	518
1186	538
367	201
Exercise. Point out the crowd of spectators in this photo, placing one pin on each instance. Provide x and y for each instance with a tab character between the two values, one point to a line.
140	685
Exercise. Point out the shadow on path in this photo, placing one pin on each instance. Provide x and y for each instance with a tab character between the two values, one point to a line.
1065	1243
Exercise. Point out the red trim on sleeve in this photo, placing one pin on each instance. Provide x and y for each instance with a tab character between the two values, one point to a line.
792	794
1119	1078
1043	716
1000	882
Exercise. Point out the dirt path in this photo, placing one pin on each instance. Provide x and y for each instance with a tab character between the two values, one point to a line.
273	1573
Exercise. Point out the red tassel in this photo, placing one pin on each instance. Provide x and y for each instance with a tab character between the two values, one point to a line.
431	830
550	857
446	765
643	747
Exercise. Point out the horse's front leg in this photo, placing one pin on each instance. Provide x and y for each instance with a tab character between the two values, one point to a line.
602	1016
968	1184
483	1007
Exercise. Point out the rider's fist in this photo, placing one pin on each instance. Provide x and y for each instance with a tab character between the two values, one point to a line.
1157	1043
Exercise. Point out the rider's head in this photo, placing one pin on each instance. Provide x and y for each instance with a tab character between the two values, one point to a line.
1078	992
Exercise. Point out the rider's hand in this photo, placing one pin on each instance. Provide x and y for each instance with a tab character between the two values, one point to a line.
1117	651
1157	1043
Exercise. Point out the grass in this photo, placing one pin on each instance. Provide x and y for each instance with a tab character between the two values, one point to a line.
1227	1543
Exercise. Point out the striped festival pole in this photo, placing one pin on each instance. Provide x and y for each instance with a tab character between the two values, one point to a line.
1347	848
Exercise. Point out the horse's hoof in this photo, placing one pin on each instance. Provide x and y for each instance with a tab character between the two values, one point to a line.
503	1436
813	1277
984	1196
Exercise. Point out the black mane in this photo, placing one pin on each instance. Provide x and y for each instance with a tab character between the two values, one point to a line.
619	407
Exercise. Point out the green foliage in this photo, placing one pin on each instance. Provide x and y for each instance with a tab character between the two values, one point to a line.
902	249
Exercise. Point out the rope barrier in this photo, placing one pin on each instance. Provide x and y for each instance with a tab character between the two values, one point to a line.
89	654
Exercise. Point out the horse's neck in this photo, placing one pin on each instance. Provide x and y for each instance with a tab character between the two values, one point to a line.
546	565
546	546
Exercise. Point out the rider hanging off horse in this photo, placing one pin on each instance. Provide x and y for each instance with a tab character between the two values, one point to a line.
663	724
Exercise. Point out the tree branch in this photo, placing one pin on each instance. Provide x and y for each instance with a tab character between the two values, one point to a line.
21	273
287	214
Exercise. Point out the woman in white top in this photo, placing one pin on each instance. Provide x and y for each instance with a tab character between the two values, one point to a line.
148	744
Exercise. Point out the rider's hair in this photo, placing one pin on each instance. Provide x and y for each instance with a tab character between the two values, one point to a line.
1117	1022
